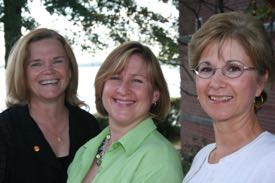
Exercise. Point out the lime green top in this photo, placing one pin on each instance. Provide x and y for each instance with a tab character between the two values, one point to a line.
142	155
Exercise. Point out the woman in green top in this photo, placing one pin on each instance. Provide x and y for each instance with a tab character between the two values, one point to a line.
132	92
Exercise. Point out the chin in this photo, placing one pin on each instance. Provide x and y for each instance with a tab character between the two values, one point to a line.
220	118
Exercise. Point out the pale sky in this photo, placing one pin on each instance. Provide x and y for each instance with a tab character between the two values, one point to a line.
61	24
58	23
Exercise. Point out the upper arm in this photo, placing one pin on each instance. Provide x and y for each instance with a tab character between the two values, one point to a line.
159	164
3	154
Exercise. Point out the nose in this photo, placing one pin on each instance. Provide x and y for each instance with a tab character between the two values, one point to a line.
218	79
123	88
49	68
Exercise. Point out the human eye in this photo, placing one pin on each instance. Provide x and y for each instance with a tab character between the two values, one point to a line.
205	68
233	68
35	64
136	80
58	61
114	77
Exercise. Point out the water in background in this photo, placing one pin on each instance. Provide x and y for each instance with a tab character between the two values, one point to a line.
86	84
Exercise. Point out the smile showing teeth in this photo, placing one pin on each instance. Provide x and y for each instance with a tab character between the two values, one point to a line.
220	99
124	101
46	82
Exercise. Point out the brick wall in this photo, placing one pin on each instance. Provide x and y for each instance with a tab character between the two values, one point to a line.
196	126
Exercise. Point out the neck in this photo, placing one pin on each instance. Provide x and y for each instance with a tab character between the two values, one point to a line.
233	135
116	134
54	112
118	129
53	121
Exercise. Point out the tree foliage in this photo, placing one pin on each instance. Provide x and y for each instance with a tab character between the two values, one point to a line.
124	19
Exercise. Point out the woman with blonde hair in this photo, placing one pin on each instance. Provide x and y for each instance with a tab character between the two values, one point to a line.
43	125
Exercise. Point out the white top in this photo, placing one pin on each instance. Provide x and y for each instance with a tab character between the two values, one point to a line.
253	163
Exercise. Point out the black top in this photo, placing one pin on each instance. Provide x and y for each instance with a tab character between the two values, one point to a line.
26	156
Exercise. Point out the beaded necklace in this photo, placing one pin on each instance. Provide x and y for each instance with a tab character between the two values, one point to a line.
101	150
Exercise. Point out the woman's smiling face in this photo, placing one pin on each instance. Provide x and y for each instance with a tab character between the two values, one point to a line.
48	71
128	96
225	98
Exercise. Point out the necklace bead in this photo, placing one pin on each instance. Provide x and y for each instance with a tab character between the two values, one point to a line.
101	150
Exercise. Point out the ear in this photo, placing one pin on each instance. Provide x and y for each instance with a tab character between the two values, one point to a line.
156	96
261	83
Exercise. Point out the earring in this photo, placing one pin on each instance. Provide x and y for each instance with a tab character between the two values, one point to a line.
258	101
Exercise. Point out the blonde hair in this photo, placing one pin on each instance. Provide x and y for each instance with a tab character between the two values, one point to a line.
17	91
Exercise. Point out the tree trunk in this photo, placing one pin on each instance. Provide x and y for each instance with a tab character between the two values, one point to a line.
12	23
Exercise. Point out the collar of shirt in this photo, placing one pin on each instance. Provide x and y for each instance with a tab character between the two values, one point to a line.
134	138
136	135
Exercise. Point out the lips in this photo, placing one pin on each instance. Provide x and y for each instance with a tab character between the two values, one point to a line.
47	82
220	98
124	102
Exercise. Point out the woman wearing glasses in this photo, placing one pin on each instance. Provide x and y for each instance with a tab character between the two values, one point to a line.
232	58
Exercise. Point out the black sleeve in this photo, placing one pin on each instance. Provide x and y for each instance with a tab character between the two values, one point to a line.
3	152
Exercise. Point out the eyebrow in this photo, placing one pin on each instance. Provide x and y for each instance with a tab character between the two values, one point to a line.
138	75
226	61
234	61
204	61
38	59
35	60
59	57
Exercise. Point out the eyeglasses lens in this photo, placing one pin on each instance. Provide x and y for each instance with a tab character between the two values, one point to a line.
231	70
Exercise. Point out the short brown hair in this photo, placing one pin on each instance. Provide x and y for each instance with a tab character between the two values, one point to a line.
242	27
248	31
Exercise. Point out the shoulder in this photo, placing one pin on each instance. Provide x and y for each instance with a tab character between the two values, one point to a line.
199	159
12	114
203	153
156	142
79	112
11	121
13	110
157	150
81	116
83	125
264	158
158	160
264	148
268	137
265	143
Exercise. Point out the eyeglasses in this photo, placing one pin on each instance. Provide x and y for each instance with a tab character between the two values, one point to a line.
232	69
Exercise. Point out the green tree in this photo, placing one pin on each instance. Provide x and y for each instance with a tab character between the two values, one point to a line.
118	16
